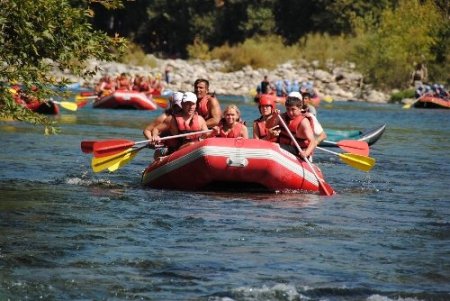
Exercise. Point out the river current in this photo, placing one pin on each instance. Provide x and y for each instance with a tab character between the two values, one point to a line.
67	233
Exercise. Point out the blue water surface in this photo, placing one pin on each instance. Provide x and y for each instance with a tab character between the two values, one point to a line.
67	233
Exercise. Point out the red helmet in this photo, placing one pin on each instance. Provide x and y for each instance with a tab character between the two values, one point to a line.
267	100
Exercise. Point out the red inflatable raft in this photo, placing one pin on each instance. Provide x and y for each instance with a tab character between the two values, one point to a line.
125	100
226	163
432	102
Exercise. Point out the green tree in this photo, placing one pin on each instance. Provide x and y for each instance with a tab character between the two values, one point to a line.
38	36
404	35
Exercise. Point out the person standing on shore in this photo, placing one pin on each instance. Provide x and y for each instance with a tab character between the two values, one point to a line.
207	106
419	76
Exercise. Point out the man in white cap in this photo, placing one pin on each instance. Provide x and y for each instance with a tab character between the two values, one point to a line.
186	121
299	125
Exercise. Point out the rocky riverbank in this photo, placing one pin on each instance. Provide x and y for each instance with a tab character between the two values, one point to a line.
341	83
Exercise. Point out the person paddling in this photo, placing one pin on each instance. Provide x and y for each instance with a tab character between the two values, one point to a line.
163	121
187	121
299	125
231	126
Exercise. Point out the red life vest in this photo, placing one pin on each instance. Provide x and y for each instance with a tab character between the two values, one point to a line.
183	127
264	126
234	133
284	137
202	107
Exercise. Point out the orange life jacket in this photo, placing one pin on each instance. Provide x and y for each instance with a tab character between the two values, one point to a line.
183	127
202	107
284	137
234	133
264	126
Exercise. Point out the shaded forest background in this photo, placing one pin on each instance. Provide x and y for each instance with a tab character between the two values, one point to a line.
385	38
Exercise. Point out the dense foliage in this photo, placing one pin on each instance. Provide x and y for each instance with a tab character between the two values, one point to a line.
386	36
38	36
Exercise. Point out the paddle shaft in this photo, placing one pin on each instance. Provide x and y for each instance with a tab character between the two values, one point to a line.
175	136
321	184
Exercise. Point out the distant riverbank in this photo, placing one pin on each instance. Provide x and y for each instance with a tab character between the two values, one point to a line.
340	83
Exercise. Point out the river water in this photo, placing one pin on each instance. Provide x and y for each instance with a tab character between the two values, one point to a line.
69	234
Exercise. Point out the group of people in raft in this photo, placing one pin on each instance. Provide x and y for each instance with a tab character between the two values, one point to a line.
200	111
124	82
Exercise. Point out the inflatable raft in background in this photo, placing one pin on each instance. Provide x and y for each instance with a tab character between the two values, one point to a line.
125	100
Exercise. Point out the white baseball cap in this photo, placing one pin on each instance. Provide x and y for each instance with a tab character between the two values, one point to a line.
296	95
189	97
177	97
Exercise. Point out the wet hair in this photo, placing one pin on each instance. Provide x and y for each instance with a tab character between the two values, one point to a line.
294	102
201	80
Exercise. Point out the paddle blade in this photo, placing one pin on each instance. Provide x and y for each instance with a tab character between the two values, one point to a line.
71	106
82	103
125	160
359	162
100	164
407	106
87	146
328	99
161	102
111	147
354	147
325	188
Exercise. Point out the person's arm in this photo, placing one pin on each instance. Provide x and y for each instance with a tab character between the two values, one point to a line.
306	132
255	131
214	111
244	132
158	120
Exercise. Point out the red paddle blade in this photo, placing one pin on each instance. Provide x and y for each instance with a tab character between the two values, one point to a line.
87	146
110	147
82	103
326	189
355	147
161	102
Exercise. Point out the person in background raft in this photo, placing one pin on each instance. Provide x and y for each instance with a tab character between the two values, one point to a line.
230	126
266	127
187	121
208	106
299	125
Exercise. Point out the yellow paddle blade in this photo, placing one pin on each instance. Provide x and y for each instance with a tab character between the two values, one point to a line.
407	106
328	99
100	164
125	159
71	106
357	161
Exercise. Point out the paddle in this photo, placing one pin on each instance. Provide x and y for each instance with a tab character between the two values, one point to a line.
352	146
357	161
114	162
324	187
71	106
409	105
328	99
110	147
87	146
161	101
